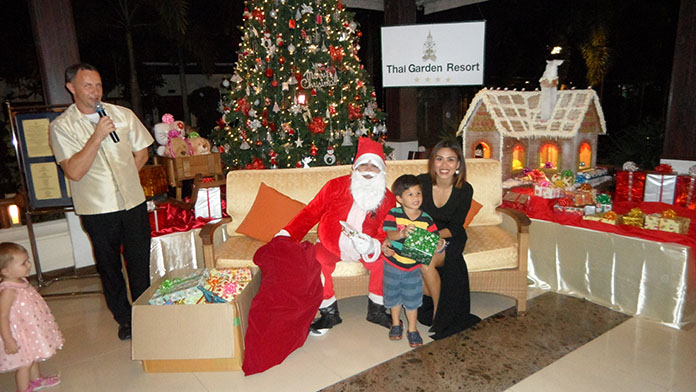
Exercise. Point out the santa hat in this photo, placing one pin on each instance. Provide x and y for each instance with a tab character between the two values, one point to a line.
369	151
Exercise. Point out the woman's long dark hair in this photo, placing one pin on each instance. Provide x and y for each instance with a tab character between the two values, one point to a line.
460	178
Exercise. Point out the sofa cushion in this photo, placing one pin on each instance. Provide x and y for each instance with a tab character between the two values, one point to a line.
473	211
490	248
271	211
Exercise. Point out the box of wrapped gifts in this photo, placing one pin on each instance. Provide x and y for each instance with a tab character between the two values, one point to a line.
191	338
667	221
630	185
580	197
516	200
420	245
179	290
224	285
566	209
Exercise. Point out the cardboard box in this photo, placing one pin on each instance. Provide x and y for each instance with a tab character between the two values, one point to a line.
191	338
185	168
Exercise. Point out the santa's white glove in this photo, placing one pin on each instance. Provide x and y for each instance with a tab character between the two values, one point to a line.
366	245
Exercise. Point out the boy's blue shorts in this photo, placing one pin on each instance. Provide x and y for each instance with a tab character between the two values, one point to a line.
402	287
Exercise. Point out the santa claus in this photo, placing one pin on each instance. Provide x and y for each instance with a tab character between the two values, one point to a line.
362	200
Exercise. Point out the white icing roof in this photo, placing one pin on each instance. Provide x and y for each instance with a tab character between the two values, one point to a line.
517	113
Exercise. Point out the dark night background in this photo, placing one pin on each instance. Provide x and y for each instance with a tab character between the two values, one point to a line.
519	37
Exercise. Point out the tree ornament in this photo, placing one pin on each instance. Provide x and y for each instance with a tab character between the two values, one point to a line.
298	164
269	72
274	83
314	92
305	162
317	125
281	60
291	48
329	157
354	112
356	97
313	150
272	13
291	24
299	141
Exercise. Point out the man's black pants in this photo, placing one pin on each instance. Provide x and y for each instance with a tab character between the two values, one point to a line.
108	232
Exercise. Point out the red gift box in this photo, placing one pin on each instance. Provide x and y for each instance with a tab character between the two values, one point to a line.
630	186
686	192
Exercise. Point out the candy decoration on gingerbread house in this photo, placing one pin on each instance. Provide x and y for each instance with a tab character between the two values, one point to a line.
548	130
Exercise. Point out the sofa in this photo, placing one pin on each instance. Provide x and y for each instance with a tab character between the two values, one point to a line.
496	251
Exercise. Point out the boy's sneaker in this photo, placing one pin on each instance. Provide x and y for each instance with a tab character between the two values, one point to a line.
396	331
414	339
44	382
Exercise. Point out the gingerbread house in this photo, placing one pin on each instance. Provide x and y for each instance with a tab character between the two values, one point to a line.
507	126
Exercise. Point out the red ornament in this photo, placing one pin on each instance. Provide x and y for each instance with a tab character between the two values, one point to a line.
259	143
356	97
317	125
243	105
373	95
318	19
359	33
269	72
259	15
354	111
291	23
273	127
281	60
313	150
298	164
332	109
314	92
274	83
336	53
298	76
304	34
340	5
331	93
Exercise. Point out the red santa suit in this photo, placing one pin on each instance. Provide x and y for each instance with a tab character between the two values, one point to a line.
334	203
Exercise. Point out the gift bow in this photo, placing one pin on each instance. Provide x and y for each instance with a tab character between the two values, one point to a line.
669	214
603	198
663	168
611	215
635	212
630	166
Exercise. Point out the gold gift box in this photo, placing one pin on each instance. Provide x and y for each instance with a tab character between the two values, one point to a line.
633	220
679	225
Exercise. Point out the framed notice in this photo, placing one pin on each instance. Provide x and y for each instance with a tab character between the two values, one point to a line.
44	181
446	54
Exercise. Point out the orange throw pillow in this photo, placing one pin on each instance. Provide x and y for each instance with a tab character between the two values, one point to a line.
270	212
473	210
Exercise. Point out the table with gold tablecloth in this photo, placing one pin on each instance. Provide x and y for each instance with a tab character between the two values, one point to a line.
635	276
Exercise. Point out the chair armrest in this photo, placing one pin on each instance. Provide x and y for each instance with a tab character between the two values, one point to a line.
521	219
208	231
207	235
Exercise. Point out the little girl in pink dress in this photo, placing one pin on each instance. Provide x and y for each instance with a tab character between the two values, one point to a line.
28	331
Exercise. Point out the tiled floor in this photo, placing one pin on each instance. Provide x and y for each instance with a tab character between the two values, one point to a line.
636	356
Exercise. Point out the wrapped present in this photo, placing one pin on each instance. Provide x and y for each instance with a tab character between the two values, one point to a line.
589	210
610	217
224	285
547	190
568	209
686	190
660	187
630	183
603	202
516	200
180	290
667	221
420	245
208	204
580	197
635	217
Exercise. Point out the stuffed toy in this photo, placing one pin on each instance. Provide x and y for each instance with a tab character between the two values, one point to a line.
167	130
199	145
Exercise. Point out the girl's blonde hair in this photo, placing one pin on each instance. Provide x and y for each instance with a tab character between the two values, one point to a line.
8	250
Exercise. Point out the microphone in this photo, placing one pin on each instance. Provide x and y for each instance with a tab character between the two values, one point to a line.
99	108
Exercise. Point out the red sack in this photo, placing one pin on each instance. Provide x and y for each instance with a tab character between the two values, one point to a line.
285	306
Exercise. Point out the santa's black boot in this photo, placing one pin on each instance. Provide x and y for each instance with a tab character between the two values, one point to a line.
329	317
378	314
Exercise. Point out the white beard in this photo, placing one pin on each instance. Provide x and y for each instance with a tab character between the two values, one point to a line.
368	192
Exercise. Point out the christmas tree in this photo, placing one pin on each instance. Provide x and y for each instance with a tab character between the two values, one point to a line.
299	94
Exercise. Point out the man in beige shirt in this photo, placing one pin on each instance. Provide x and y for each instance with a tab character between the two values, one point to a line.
105	186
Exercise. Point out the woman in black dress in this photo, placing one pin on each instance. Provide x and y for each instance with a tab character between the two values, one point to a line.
447	198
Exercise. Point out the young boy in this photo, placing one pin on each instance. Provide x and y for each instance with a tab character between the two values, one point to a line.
402	282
